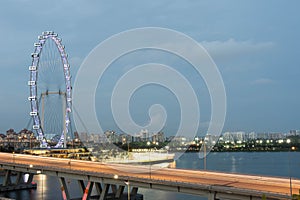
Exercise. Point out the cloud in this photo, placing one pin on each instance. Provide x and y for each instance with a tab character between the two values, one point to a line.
233	48
220	51
262	81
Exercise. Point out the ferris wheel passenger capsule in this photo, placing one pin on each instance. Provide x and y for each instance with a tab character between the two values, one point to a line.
35	55
37	44
41	37
33	113
35	127
31	83
32	68
32	98
40	137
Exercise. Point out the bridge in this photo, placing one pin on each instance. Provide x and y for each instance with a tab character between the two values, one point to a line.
118	177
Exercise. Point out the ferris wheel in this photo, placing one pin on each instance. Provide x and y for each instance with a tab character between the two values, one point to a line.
50	90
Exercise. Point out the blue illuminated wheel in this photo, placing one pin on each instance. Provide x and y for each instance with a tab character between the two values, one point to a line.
50	90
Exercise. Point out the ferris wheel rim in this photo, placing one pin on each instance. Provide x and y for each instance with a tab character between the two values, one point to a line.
33	83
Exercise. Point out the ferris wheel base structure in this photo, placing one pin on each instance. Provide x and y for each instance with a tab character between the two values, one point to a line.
36	93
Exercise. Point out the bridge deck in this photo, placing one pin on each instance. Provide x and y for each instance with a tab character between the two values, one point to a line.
178	180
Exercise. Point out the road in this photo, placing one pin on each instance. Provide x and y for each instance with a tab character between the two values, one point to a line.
149	173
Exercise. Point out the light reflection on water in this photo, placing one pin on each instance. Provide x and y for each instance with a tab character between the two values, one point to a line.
266	163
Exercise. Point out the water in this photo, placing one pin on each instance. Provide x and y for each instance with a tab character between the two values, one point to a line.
263	163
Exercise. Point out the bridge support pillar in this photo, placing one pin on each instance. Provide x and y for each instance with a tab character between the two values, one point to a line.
64	189
98	188
104	191
120	191
81	186
212	196
88	191
134	191
7	178
18	183
114	188
19	178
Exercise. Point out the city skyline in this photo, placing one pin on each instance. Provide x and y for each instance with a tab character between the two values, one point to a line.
253	44
145	135
143	141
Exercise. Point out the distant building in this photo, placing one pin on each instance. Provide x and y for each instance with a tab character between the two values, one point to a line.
76	135
144	134
111	136
262	136
293	132
276	136
227	137
158	137
235	136
83	136
180	140
252	136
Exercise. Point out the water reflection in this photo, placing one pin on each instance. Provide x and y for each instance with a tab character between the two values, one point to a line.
233	164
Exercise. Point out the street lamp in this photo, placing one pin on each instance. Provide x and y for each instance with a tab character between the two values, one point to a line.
127	149
203	147
291	188
128	189
148	143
